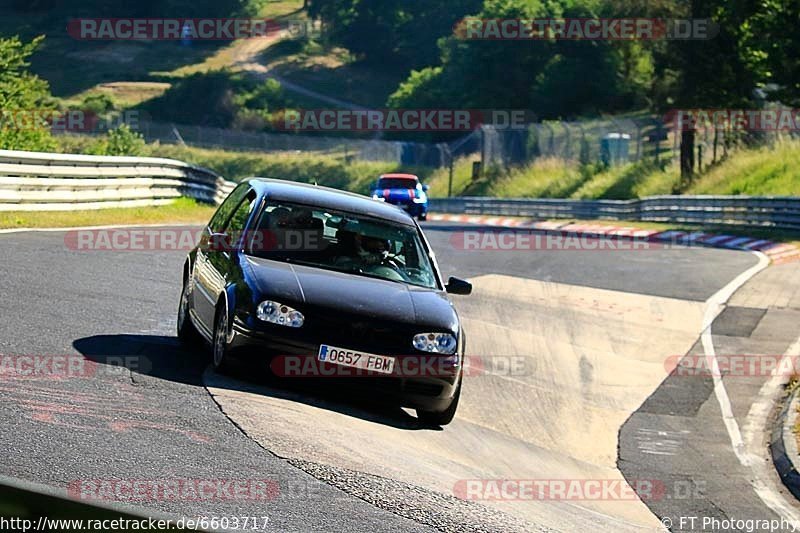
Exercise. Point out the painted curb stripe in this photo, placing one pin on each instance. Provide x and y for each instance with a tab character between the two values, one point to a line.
779	253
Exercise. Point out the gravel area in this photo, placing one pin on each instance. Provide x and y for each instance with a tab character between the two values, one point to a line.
440	511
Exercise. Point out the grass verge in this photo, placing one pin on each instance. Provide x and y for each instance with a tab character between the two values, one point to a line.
330	170
766	171
332	71
182	211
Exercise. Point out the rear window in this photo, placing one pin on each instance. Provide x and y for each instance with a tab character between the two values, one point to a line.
397	183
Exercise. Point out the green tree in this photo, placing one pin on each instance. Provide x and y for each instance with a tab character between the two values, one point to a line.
143	8
554	78
25	99
772	47
712	73
482	74
401	32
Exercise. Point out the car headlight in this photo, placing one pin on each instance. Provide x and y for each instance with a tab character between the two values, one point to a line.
280	314
435	343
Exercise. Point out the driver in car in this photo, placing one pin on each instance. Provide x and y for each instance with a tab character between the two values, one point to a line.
371	250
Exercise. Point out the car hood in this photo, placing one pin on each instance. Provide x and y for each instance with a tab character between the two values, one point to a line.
329	291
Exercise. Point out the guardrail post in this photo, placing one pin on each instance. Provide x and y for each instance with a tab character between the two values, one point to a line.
483	154
449	154
699	158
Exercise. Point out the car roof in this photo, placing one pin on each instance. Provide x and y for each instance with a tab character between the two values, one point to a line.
395	175
326	197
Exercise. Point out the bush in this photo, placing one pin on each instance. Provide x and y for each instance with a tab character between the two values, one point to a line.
421	89
99	104
124	141
219	99
119	141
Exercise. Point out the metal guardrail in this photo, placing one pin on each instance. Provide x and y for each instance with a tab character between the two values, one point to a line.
765	212
38	181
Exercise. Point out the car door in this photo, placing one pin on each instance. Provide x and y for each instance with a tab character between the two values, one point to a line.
214	253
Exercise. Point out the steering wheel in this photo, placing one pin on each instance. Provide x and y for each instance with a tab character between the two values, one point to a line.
387	272
392	260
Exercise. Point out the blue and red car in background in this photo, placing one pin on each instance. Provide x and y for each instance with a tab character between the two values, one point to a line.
405	191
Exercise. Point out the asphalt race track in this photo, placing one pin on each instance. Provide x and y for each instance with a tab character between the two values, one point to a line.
588	330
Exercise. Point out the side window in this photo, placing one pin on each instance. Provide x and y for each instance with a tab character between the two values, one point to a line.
239	218
220	218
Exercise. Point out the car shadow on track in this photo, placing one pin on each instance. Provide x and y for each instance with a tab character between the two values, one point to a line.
148	355
166	358
356	403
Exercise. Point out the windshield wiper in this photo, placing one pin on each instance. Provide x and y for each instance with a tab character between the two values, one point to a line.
356	270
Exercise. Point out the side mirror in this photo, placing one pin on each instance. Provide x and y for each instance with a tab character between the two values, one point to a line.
458	286
425	187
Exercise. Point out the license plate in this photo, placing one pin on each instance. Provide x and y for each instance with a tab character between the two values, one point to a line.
355	359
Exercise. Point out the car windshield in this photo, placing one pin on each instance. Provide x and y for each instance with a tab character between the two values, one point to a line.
341	241
397	183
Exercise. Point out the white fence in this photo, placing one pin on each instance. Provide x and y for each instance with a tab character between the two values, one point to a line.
36	181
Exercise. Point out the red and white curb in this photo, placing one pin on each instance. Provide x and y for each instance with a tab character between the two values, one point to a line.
777	252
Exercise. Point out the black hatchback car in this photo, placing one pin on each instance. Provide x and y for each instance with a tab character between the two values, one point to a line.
322	283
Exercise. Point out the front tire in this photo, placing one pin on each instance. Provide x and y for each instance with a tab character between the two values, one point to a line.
423	217
221	357
187	333
436	419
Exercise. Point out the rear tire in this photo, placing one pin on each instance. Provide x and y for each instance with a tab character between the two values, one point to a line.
220	355
436	419
187	333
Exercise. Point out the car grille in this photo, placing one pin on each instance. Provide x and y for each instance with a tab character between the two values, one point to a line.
372	336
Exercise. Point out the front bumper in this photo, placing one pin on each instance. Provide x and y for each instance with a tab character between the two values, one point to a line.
431	391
